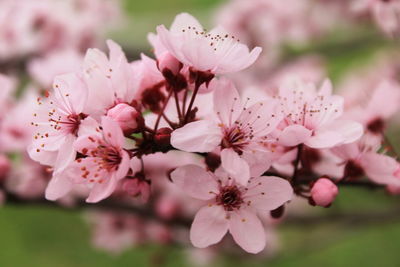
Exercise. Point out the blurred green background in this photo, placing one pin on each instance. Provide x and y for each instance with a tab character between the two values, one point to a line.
39	236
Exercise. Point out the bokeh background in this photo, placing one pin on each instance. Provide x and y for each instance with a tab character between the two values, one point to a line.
361	229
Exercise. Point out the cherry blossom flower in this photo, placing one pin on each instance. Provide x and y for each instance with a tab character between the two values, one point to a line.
372	114
216	51
105	162
230	206
361	158
110	81
238	130
313	117
57	123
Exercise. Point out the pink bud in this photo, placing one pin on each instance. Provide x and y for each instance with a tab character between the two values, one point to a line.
128	118
5	166
166	62
324	192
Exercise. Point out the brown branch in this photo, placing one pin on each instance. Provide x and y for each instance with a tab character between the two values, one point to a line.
347	218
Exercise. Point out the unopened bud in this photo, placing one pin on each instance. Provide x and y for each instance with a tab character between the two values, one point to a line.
323	192
128	118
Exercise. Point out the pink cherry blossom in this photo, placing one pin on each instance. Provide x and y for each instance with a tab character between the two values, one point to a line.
57	122
230	206
371	113
323	192
109	80
216	51
237	130
362	158
313	117
105	162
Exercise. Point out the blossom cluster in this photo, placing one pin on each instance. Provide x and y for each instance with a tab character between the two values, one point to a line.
161	128
217	131
38	27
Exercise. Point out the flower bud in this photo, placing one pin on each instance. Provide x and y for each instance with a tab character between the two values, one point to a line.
323	192
128	118
168	63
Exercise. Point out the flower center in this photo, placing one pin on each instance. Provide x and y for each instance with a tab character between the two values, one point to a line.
235	138
68	124
230	197
376	126
109	156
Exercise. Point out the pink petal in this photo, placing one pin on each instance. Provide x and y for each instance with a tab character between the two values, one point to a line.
351	131
89	126
326	88
102	191
388	92
324	139
195	181
123	167
380	168
58	187
268	192
198	53
135	165
294	135
66	154
227	104
86	143
337	133
198	136
258	161
247	231
70	90
235	166
121	74
209	226
238	58
112	132
99	85
182	21
43	157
